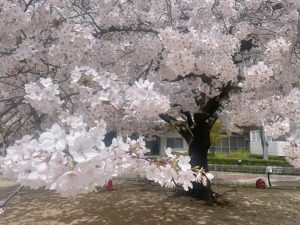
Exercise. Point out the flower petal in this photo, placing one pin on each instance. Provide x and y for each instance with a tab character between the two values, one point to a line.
46	136
60	145
57	131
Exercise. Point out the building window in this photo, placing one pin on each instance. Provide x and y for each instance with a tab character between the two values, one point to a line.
230	143
174	143
255	136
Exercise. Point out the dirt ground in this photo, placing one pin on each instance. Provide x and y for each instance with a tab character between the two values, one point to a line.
140	203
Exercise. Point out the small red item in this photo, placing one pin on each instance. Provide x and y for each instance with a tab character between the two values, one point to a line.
261	184
109	185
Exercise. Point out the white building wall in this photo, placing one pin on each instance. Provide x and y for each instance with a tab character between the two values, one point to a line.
172	134
275	148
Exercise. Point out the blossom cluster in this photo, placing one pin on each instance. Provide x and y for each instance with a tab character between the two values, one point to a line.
75	163
199	53
172	170
293	150
277	126
257	75
43	96
242	30
277	49
144	101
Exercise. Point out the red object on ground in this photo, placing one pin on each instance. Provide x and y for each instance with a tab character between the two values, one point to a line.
109	185
261	184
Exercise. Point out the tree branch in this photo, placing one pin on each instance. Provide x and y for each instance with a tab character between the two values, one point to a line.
14	105
4	202
182	128
127	29
213	104
27	4
144	72
169	12
189	117
102	31
204	78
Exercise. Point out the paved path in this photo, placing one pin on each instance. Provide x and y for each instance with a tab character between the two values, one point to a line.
250	178
5	183
136	202
141	203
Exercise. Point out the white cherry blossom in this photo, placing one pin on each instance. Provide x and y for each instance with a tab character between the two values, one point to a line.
183	162
54	139
82	149
185	178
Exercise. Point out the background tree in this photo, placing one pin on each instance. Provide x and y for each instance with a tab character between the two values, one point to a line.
217	134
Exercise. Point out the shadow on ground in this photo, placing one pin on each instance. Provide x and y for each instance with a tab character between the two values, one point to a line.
138	202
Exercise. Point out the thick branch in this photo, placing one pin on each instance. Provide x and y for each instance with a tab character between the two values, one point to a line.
184	130
114	29
214	104
10	99
204	78
27	4
189	117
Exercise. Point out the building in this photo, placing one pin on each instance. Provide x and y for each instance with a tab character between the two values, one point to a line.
232	142
228	143
276	147
174	140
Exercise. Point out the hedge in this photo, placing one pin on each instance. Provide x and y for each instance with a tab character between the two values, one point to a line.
249	162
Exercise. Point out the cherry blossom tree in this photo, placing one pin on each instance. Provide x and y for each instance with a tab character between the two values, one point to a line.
71	71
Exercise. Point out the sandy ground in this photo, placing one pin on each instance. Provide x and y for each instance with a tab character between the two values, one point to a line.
140	203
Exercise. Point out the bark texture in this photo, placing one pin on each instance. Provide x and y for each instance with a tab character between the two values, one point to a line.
198	151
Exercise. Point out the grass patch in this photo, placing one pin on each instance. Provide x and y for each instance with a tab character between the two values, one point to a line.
247	159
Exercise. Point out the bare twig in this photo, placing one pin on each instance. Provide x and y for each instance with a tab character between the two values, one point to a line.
3	203
169	12
143	73
12	106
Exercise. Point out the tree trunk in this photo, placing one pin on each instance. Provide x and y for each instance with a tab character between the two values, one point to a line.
198	151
